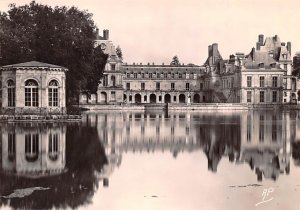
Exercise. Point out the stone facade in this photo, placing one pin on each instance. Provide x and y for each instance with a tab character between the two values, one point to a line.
33	88
264	76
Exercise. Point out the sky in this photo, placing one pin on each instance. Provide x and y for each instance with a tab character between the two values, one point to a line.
156	30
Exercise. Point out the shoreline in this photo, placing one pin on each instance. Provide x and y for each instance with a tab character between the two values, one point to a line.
189	107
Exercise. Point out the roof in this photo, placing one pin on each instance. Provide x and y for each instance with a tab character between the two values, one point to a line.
256	57
32	64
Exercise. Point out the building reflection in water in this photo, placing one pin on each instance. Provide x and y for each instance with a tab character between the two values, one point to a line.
33	151
261	139
63	159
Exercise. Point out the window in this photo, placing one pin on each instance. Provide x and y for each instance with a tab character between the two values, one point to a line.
145	98
249	96
53	93
261	65
142	86
187	86
11	146
128	86
261	81
249	81
285	66
159	98
157	86
173	75
158	75
172	86
143	75
274	128
274	81
261	128
262	96
201	86
150	75
284	56
113	95
165	75
127	75
274	96
31	146
53	146
113	67
135	75
192	76
180	76
273	65
248	128
174	98
11	93
31	93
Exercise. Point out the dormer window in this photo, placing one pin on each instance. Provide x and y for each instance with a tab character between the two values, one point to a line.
261	65
284	56
273	65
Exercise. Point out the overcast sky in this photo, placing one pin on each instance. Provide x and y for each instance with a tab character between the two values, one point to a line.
155	31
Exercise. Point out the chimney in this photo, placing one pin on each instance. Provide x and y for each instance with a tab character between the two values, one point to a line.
253	54
209	50
289	47
215	49
261	39
257	45
106	34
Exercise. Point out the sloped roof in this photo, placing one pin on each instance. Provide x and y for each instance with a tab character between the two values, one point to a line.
256	57
33	64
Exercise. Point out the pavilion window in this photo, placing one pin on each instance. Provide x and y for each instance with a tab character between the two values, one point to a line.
53	93
11	93
31	93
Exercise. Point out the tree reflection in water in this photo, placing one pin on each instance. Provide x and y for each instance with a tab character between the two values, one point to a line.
73	187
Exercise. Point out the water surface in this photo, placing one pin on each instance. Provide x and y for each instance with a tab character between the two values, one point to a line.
133	160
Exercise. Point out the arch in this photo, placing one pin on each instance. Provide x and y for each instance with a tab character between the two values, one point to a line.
181	98
196	98
103	97
53	93
31	93
167	98
125	98
31	147
113	80
137	98
11	93
152	98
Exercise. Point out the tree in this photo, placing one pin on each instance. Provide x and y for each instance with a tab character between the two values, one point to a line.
61	36
119	52
296	64
175	61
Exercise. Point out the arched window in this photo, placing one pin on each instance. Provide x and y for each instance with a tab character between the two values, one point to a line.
31	147
53	93
31	93
53	146
11	93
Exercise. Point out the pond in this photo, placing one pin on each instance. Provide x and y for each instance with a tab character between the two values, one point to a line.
153	160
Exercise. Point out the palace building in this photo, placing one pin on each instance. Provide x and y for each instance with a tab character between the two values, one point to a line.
33	87
264	76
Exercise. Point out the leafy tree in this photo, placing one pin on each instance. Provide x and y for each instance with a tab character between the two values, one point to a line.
175	61
119	52
296	64
60	35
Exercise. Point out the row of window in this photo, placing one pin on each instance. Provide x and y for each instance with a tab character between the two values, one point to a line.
162	75
32	94
262	128
32	145
262	96
262	81
187	86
